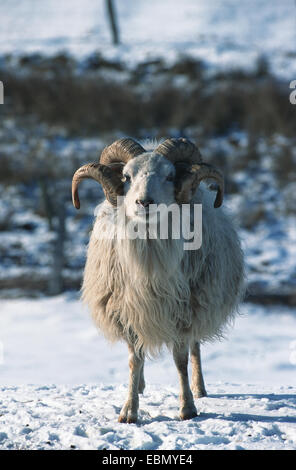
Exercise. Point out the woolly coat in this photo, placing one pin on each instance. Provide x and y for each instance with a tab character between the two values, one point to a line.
152	293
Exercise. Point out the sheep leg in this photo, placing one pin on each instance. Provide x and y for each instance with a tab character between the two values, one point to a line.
187	407
129	411
197	382
142	380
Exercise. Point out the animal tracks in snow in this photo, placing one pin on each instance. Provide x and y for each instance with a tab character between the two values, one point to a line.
85	417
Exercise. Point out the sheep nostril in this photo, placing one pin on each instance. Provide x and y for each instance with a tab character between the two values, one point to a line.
144	203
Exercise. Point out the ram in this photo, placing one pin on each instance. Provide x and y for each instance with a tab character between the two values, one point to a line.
149	290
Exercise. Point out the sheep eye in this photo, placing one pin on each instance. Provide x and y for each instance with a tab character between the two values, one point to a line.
125	178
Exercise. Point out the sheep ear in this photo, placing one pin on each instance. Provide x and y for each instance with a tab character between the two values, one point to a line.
184	183
117	168
112	185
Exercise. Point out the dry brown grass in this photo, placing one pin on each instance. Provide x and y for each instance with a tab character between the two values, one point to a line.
91	103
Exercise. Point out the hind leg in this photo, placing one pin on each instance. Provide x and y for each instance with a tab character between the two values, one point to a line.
197	382
141	380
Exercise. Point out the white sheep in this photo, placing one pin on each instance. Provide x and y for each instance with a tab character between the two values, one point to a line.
152	292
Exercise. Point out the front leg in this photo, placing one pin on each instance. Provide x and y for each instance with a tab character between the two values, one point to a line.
129	412
187	407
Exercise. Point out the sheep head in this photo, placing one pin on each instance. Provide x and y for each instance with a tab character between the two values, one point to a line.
170	173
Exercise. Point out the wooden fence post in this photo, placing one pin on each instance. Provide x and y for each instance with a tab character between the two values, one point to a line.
113	22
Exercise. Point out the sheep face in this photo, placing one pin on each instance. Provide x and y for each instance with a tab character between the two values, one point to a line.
170	173
148	179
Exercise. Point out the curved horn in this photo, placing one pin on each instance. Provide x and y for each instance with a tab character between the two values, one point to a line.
206	171
121	151
108	170
108	178
179	150
190	169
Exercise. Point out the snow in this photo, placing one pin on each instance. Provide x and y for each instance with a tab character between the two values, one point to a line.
224	33
233	417
78	383
61	384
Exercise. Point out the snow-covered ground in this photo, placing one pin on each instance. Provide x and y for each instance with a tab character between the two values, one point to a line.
225	33
250	378
233	417
61	384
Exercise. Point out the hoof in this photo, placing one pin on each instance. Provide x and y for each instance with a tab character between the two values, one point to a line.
127	419
128	414
188	413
